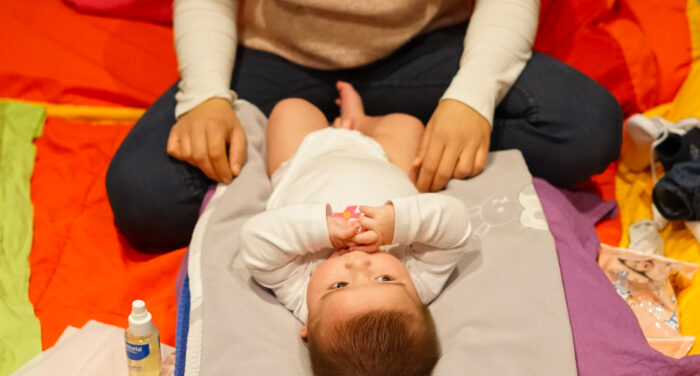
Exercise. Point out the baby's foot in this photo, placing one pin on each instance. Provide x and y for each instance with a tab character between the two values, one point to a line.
352	112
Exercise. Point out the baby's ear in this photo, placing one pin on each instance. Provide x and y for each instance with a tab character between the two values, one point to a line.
302	332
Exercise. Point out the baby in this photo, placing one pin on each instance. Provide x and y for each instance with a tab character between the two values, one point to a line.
348	244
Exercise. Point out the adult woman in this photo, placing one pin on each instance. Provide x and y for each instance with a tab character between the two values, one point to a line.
483	91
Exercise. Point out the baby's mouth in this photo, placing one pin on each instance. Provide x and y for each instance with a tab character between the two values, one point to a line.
342	251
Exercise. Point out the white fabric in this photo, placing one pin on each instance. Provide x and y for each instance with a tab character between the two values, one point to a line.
205	43
336	170
489	322
645	238
341	159
694	227
497	46
95	349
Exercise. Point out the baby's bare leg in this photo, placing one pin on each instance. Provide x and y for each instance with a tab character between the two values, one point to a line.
290	121
399	134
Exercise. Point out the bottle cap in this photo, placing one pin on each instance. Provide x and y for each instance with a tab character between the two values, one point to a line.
140	323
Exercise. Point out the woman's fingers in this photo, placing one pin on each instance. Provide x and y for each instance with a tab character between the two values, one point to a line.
237	149
200	155
216	150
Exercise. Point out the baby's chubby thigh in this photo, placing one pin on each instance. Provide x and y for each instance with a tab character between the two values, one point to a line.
290	121
400	136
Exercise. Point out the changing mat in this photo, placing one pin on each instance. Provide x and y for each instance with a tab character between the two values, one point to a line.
503	311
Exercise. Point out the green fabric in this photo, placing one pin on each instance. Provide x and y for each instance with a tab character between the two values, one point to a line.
20	333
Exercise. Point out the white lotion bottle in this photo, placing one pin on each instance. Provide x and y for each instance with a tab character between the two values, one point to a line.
142	342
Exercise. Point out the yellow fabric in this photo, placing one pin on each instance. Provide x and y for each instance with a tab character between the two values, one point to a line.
633	190
88	114
692	10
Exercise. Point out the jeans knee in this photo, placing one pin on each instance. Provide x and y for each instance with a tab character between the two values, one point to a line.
145	215
123	198
596	143
606	122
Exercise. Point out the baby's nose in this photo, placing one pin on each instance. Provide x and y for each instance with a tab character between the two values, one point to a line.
357	259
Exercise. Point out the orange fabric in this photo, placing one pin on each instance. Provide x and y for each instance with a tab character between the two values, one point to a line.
50	53
81	268
639	49
88	114
666	33
609	230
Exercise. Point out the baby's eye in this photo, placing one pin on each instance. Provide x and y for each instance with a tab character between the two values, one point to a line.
339	285
384	278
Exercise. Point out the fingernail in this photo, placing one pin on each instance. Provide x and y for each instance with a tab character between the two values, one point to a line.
236	169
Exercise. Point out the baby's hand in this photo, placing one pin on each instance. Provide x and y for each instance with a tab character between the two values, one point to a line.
341	231
378	228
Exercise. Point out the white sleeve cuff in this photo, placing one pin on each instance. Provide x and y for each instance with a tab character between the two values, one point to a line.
497	47
186	102
205	42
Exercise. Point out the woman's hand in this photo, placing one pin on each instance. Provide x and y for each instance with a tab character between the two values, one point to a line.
200	138
455	144
377	228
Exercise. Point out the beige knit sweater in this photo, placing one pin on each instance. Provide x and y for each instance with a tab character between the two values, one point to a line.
331	34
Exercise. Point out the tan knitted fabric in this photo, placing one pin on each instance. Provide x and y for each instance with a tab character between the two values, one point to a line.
331	34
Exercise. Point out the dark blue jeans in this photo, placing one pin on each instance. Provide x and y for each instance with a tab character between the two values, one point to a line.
567	126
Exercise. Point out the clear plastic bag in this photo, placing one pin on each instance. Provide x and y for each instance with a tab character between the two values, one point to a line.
648	283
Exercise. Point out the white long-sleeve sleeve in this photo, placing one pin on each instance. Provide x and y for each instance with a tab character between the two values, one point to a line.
205	43
497	46
436	229
274	245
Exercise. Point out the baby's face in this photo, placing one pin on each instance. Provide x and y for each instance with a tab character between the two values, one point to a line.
350	283
641	265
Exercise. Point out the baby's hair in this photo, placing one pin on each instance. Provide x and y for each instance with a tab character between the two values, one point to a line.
387	343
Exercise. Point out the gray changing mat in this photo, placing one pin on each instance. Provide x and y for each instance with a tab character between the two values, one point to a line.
503	311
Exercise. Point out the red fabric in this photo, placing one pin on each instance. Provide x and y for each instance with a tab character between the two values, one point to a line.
50	53
609	230
159	11
81	269
638	49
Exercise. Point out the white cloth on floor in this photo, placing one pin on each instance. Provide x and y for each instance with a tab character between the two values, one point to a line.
694	227
95	349
645	238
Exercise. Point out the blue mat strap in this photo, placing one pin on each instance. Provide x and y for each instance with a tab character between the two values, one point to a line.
183	327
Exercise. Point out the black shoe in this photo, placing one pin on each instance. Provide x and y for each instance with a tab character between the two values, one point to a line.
677	194
676	148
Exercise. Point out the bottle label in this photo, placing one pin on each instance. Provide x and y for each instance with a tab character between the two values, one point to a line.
137	352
